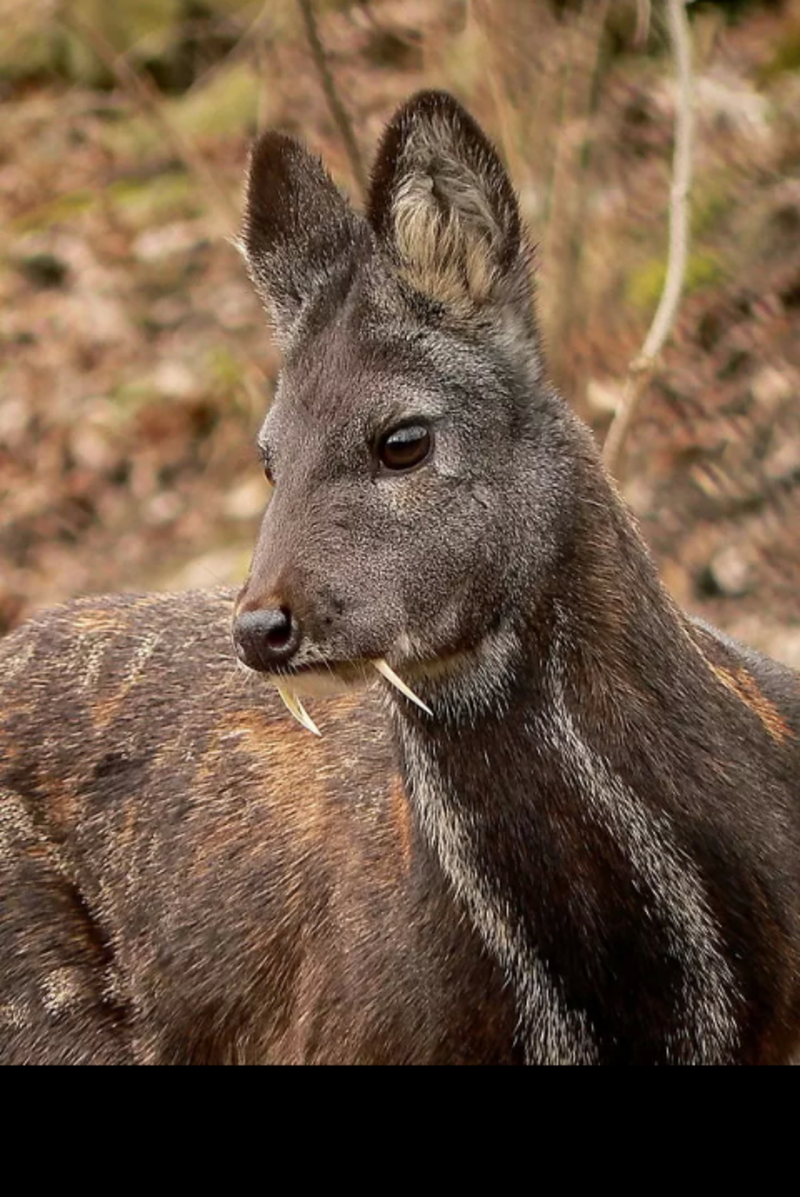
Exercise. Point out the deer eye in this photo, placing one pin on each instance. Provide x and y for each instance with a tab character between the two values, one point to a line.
405	448
266	463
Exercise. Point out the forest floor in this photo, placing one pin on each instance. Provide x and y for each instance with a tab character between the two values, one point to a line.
136	365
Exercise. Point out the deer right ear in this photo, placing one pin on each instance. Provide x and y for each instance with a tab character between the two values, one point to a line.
297	227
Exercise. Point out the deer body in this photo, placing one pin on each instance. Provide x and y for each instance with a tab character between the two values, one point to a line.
586	850
186	884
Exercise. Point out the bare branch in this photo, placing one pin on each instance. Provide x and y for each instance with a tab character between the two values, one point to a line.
566	205
251	37
338	110
644	13
642	369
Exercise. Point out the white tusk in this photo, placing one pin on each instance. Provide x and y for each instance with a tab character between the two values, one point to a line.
398	683
296	709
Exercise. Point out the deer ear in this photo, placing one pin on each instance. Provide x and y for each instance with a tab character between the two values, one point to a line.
442	202
297	228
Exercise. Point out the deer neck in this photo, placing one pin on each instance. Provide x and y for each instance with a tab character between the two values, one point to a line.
538	828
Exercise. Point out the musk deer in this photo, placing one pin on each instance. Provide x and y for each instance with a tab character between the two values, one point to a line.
569	834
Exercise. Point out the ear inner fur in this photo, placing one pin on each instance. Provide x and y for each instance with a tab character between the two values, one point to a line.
443	203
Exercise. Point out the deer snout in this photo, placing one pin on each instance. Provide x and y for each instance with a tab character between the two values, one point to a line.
266	637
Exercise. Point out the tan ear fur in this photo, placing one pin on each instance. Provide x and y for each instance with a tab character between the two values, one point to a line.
446	234
442	201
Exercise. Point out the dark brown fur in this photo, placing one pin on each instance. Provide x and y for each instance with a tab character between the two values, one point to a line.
199	887
588	853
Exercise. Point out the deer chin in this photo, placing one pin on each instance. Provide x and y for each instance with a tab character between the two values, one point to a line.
328	681
333	680
315	682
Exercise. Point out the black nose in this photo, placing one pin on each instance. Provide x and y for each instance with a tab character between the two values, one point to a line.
266	639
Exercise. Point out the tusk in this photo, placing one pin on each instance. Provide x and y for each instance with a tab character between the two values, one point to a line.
296	709
398	683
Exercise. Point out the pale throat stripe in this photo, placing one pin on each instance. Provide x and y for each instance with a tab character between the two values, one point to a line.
550	1033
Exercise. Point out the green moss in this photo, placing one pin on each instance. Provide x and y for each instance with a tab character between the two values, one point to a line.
148	202
134	138
705	270
645	285
141	29
58	211
38	48
129	398
145	25
228	104
144	202
711	204
223	369
786	56
28	54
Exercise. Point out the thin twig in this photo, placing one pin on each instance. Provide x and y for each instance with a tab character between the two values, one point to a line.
483	16
363	7
644	13
338	110
252	35
567	203
642	369
148	101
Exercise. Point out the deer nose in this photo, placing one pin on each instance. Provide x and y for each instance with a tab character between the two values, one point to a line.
265	639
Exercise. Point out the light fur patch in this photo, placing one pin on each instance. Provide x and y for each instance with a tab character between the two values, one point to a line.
550	1032
708	1033
20	837
92	650
446	231
401	816
746	689
61	989
15	1017
110	706
442	255
16	826
95	620
19	663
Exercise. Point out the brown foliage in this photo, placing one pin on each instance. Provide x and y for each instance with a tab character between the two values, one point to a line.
135	363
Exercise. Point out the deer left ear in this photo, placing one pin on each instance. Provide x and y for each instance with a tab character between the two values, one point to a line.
443	204
298	228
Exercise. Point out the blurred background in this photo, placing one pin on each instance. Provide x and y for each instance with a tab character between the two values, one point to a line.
136	366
